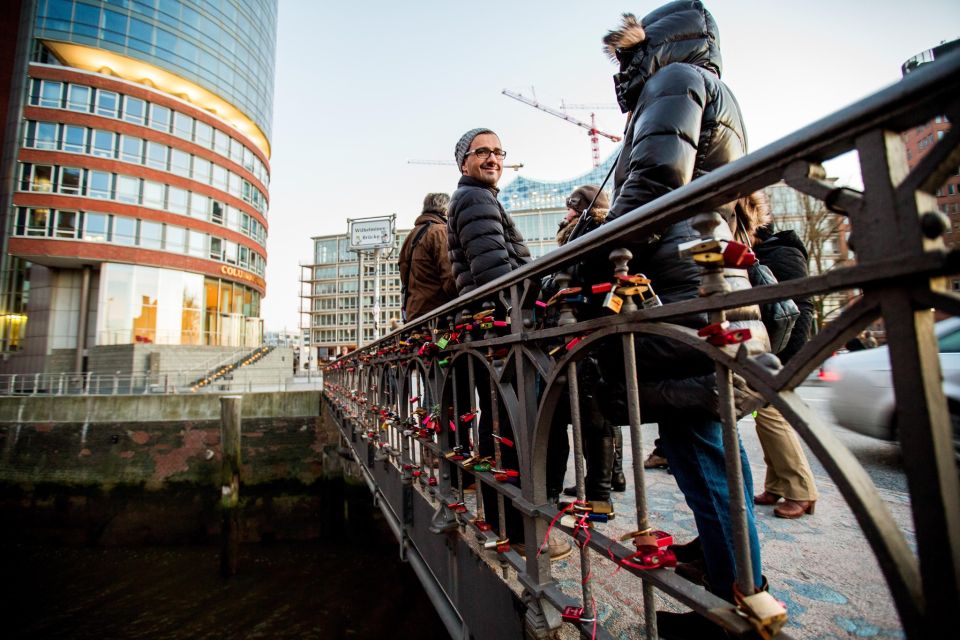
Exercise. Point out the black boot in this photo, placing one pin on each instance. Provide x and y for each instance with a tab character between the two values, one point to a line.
599	468
618	482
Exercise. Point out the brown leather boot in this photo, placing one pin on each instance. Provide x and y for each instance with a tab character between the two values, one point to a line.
794	508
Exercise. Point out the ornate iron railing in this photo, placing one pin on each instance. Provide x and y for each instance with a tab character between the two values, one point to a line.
901	261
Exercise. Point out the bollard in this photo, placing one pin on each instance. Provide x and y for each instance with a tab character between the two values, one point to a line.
230	483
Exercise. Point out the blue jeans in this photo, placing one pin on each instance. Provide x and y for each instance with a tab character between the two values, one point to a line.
693	444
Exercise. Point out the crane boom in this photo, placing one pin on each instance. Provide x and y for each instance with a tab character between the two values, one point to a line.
450	163
560	114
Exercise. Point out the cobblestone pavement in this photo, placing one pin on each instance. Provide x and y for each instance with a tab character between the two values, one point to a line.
821	566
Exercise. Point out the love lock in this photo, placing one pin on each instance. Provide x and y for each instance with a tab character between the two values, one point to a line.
653	550
766	614
574	614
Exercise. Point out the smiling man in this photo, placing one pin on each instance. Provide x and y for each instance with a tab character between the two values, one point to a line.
484	241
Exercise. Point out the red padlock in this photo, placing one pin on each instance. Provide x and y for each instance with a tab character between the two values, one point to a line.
734	336
738	255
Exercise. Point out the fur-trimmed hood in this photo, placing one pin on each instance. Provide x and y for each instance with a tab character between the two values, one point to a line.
682	31
753	213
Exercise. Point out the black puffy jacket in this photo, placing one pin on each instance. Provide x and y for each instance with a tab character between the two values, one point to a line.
484	242
685	123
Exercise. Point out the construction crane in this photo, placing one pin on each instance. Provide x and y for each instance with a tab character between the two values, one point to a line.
591	127
515	167
587	107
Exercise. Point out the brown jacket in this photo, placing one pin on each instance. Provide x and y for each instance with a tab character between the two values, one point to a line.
427	274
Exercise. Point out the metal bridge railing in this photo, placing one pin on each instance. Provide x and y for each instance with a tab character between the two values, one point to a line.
376	393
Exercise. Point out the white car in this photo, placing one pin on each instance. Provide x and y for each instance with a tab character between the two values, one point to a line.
862	388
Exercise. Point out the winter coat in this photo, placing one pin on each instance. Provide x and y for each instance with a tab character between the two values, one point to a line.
685	123
484	242
784	254
425	270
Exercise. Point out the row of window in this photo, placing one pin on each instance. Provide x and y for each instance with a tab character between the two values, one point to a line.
351	271
108	144
76	97
73	181
133	232
387	301
350	319
350	286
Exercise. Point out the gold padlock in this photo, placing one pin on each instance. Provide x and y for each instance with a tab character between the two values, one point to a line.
708	259
765	613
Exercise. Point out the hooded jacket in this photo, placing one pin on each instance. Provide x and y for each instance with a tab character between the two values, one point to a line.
425	270
484	242
684	123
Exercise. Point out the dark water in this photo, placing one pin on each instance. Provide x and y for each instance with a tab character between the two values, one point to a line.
349	586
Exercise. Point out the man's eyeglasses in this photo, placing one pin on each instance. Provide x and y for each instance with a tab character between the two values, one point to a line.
483	153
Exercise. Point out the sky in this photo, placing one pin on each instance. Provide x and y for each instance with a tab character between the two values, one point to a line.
363	87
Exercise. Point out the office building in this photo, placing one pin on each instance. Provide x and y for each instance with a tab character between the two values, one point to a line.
135	179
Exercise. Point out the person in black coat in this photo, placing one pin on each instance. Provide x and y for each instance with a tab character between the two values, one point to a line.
684	122
789	477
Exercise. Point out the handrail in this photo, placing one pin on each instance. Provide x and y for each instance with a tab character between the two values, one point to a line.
532	368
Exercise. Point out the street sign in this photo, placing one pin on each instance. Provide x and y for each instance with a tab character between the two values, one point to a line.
371	233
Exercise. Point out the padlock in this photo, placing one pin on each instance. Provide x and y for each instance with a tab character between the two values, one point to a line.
570	345
713	329
738	255
443	341
432	481
457	507
709	259
633	290
482	525
613	302
627	279
734	336
764	612
572	613
507	442
700	245
469	416
603	287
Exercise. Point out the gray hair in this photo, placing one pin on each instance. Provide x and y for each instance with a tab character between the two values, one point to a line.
436	202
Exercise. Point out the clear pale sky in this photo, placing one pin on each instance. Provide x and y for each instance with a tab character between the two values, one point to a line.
363	87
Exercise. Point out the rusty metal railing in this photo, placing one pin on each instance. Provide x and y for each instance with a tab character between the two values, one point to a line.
422	436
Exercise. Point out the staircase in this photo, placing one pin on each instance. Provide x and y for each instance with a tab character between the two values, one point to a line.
263	366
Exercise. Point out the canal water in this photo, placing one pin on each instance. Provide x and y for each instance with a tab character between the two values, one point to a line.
349	585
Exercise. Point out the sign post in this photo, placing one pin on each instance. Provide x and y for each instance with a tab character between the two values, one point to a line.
370	234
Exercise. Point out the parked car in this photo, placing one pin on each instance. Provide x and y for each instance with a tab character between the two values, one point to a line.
861	395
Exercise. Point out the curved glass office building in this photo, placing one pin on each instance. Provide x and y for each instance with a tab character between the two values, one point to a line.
136	176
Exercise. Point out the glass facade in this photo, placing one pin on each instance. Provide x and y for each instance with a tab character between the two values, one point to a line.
150	305
225	46
524	193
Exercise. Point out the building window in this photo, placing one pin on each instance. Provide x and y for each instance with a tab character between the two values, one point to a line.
95	227
51	94
219	177
153	194
42	135
201	169
180	162
134	110
108	103
74	139
176	200
204	135
160	117
131	149
183	126
151	234
99	185
198	244
157	155
128	189
103	143
221	142
124	231
66	224
37	222
176	240
78	98
37	177
216	212
216	248
70	178
199	206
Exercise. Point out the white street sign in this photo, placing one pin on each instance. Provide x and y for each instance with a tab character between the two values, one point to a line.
371	233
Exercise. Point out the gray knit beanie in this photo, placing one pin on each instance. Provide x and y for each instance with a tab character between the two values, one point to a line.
460	152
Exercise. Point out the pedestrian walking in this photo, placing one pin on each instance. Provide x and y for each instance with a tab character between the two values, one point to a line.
789	477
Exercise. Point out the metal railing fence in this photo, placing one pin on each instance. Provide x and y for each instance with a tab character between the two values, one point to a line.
901	261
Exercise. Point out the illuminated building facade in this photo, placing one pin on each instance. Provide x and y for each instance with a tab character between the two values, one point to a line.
135	176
